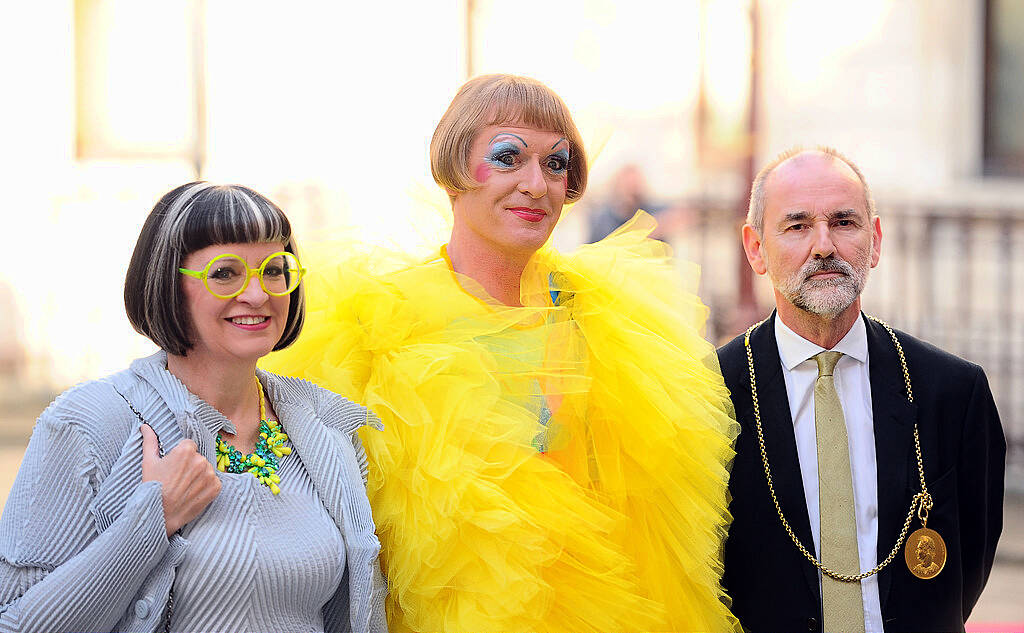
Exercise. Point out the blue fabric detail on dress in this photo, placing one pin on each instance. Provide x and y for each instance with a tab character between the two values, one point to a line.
540	441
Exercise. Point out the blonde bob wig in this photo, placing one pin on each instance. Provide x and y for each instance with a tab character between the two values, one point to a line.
497	99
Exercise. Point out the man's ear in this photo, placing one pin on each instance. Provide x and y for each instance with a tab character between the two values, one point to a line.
752	248
876	245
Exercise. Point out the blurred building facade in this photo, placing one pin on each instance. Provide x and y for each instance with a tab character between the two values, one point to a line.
329	107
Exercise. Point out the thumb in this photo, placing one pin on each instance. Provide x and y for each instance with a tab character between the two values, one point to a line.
150	443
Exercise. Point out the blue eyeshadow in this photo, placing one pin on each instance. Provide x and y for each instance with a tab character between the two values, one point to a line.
500	149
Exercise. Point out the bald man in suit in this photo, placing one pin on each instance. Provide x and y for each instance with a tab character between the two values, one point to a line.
839	429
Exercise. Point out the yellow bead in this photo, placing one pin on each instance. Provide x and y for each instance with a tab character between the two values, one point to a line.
286	450
274	478
274	489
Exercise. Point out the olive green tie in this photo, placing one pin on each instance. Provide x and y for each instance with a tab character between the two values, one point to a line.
842	603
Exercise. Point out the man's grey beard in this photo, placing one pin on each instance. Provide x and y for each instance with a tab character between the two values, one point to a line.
824	297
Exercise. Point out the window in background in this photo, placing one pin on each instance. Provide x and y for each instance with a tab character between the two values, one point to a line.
138	79
1004	88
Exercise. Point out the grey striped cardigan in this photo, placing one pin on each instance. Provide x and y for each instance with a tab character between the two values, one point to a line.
82	541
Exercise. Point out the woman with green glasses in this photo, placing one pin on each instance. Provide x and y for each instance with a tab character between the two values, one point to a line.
192	491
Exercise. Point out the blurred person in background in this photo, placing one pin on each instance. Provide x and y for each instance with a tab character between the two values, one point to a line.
119	519
881	455
629	194
557	431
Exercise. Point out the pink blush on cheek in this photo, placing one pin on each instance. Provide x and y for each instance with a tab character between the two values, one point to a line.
483	172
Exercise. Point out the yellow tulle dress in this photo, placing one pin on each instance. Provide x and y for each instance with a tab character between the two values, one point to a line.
561	466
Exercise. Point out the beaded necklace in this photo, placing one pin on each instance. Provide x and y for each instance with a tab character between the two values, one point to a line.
263	461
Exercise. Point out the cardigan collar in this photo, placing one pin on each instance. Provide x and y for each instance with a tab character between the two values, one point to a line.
195	416
279	390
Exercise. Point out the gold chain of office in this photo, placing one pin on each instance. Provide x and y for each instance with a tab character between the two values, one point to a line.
922	501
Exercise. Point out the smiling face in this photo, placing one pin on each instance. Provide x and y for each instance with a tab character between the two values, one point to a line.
522	174
243	328
819	240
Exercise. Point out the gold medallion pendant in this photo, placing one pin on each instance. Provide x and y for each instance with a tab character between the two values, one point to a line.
925	553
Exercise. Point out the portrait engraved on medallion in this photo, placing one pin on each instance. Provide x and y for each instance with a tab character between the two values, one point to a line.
925	553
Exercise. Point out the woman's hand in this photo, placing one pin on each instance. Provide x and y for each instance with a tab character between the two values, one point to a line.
188	481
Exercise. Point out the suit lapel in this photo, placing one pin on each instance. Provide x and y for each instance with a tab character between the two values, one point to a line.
780	441
893	421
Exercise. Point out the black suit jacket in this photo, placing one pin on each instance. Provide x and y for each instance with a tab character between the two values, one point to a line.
773	587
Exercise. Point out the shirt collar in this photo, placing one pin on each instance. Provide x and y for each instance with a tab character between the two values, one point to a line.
795	349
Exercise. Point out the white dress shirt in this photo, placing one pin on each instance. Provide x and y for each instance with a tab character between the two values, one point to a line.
854	389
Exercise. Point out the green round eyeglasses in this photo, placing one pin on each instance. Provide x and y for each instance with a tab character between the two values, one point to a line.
228	275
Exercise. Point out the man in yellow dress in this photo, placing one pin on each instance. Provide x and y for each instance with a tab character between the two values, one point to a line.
557	434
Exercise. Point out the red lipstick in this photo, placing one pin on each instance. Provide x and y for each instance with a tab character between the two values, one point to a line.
528	214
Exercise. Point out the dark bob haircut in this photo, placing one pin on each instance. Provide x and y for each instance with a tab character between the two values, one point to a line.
186	219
